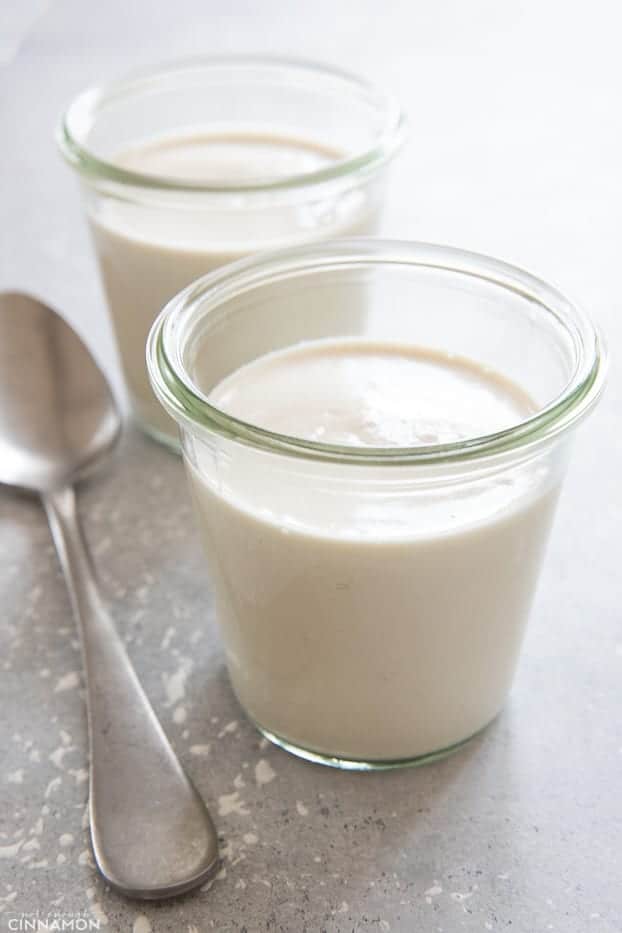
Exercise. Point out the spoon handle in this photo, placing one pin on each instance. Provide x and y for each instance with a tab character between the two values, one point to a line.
151	832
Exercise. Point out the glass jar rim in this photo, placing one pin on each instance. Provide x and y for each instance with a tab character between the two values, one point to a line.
81	114
183	400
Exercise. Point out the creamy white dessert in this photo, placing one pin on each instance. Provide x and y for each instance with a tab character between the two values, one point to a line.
150	249
362	621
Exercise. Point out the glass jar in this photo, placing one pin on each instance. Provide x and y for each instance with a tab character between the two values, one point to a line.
275	153
373	601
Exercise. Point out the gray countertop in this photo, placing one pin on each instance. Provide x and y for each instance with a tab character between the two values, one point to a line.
515	151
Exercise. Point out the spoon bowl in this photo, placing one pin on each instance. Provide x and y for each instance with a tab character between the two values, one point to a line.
58	416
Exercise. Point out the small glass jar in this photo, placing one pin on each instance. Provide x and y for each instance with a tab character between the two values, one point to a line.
277	153
373	601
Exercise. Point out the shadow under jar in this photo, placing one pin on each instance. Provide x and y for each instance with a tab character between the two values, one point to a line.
194	164
373	599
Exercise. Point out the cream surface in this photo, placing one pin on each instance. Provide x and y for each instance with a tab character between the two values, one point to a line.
371	395
208	158
150	249
370	613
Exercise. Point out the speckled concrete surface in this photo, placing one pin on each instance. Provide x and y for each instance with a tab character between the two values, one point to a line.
522	830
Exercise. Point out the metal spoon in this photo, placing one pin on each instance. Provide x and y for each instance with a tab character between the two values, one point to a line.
151	832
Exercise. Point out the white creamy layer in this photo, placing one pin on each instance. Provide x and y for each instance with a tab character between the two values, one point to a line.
209	158
372	613
357	392
151	248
